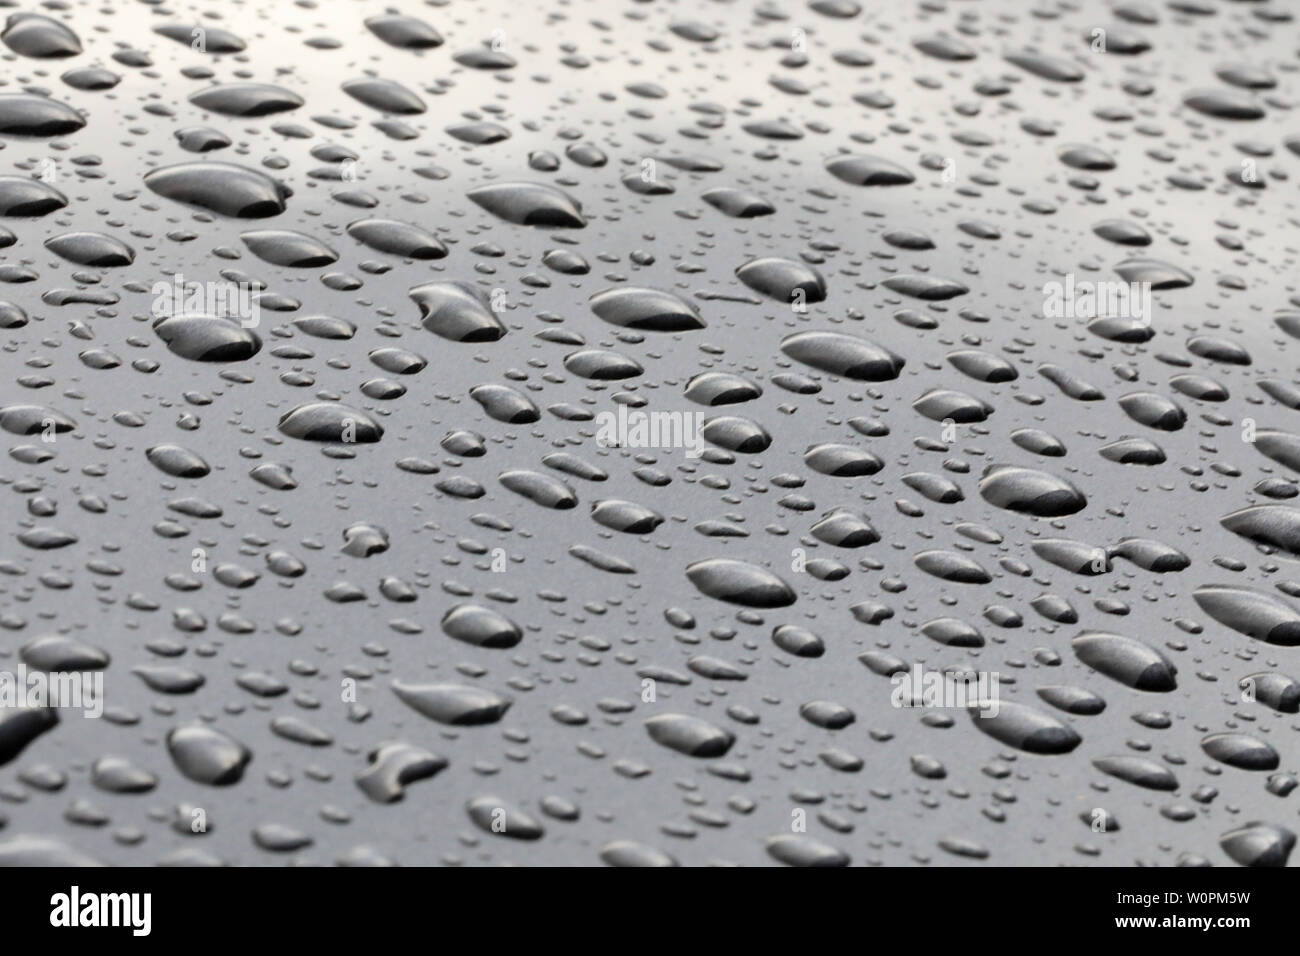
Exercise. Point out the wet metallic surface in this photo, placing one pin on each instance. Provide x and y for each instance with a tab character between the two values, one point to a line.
433	639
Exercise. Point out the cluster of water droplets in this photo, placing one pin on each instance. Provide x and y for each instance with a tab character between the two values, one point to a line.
364	580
